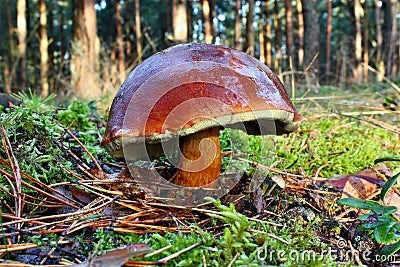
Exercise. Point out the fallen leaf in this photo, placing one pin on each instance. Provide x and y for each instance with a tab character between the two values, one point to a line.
357	187
393	199
116	257
368	175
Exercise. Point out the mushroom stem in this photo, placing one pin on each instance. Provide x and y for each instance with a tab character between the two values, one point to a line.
200	161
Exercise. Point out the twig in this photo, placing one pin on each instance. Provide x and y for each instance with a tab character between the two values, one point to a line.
43	185
177	254
233	260
158	251
16	171
395	86
39	190
84	148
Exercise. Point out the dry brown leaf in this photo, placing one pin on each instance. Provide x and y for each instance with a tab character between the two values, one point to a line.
357	187
116	257
393	199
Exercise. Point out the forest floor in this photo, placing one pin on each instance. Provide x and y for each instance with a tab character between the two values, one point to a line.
65	201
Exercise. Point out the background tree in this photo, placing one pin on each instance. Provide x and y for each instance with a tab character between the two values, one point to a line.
249	44
328	39
358	41
289	29
312	35
120	41
268	35
278	46
237	24
44	46
179	18
85	51
300	19
208	24
390	35
22	33
379	40
138	32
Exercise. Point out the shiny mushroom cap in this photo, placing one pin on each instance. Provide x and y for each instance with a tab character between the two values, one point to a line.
192	87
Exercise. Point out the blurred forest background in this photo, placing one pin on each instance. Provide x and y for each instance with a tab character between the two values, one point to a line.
87	48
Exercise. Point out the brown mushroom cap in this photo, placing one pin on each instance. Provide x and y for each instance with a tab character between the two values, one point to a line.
150	104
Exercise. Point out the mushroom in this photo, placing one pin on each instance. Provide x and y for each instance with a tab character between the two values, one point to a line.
186	94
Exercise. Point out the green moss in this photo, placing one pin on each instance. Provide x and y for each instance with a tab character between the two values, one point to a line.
335	146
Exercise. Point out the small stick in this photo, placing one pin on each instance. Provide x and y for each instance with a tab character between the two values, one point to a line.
16	171
40	191
233	260
157	251
177	254
84	148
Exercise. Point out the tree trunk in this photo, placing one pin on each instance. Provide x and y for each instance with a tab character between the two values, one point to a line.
278	47
299	8
138	32
43	48
380	65
179	21
249	46
120	42
8	60
289	30
390	35
62	55
189	21
238	32
365	46
311	37
328	40
208	36
22	33
168	21
85	51
128	32
358	41
261	38
268	45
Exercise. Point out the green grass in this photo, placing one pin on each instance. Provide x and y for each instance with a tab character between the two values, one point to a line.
340	147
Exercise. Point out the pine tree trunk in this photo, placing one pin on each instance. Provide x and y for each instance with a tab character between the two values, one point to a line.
85	51
268	45
238	32
390	34
9	76
22	33
312	35
207	22
365	47
380	65
299	8
43	48
358	41
278	46
289	30
249	45
328	40
261	38
179	21
138	32
120	42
